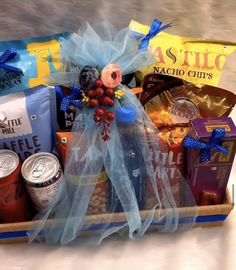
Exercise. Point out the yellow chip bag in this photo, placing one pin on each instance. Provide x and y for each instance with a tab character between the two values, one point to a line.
197	61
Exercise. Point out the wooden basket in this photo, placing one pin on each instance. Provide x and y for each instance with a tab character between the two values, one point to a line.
213	215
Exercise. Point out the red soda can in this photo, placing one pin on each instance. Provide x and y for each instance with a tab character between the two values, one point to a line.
14	201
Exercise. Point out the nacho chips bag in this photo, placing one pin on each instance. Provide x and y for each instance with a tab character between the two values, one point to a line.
194	60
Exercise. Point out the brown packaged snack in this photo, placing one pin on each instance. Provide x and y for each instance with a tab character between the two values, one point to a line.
99	199
154	84
63	142
173	137
179	105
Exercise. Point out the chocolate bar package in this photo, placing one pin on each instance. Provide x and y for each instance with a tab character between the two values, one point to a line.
66	115
210	158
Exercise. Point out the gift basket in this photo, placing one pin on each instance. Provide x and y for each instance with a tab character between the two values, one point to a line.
101	140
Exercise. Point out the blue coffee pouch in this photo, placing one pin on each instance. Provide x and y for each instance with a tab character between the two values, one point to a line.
28	63
28	121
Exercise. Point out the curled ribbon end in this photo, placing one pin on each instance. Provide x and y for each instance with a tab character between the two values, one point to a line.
155	29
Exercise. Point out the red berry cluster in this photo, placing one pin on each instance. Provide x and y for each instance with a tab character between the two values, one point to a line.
102	114
101	97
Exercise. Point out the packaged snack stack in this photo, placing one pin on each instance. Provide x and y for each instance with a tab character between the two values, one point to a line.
171	105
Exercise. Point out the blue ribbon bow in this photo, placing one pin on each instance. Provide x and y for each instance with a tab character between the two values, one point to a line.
215	143
8	55
155	29
67	101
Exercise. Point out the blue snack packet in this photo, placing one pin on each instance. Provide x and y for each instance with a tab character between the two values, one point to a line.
32	61
28	121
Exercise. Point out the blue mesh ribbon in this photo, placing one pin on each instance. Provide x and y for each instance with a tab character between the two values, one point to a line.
155	29
8	55
67	101
215	143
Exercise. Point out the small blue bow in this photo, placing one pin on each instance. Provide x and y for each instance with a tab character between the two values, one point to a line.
155	29
8	55
72	99
215	143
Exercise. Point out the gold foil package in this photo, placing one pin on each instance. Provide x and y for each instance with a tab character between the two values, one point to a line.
173	136
179	105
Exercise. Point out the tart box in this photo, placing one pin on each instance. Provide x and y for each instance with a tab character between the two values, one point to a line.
208	180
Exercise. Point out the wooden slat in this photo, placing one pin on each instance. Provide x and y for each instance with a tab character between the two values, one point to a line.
86	234
211	210
209	224
14	240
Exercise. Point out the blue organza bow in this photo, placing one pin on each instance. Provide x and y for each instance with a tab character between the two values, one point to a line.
67	101
155	29
8	55
215	143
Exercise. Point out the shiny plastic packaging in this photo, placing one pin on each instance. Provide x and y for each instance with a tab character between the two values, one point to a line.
28	63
